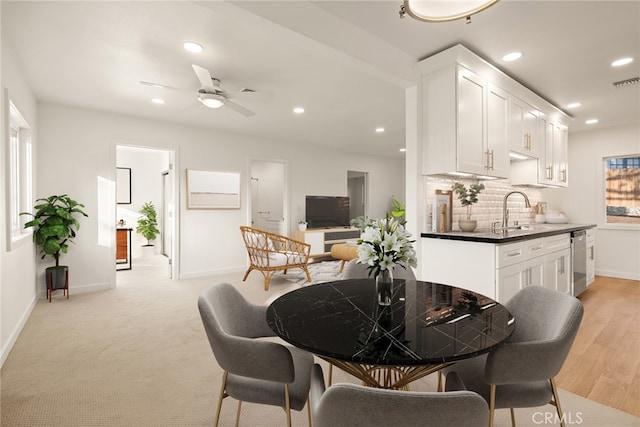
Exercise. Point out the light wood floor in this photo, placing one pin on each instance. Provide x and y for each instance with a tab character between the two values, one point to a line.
603	364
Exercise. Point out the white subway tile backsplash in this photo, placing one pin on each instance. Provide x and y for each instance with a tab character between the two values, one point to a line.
489	206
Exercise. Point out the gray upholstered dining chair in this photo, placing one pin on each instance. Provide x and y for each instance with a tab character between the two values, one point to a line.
355	270
352	405
520	372
257	371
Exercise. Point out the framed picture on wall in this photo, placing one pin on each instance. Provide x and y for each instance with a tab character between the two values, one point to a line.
123	186
210	189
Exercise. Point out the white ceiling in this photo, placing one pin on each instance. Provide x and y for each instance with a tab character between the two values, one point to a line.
347	62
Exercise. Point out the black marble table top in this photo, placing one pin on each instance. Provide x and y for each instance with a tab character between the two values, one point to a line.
426	323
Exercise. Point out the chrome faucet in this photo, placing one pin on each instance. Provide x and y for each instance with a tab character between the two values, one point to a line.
505	211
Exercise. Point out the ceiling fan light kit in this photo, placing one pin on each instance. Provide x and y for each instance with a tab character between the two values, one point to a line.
443	11
211	100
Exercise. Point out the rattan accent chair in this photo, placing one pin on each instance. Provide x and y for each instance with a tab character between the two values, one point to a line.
255	370
271	252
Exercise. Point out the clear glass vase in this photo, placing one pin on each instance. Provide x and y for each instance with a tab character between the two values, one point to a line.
384	286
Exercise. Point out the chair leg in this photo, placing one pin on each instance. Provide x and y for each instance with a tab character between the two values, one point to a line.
306	270
330	373
513	417
238	414
247	274
440	381
222	395
309	411
492	404
287	404
556	401
342	265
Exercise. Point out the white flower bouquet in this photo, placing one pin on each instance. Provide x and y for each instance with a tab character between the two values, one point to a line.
385	243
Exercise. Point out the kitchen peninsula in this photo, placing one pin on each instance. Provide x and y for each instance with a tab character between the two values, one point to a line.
499	263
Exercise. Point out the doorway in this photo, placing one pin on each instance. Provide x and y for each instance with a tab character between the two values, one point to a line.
357	192
152	180
269	197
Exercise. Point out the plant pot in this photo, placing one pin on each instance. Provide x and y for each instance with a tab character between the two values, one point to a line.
148	250
57	278
467	224
302	226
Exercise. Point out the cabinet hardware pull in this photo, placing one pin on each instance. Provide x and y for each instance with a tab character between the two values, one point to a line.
491	154
486	160
513	254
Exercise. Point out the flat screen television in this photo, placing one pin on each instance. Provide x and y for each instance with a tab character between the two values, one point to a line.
327	211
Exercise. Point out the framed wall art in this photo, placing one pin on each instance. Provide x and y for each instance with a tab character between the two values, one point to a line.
210	189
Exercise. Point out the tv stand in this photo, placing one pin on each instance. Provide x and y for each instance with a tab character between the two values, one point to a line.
321	239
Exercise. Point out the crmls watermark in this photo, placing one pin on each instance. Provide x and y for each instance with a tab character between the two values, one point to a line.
569	418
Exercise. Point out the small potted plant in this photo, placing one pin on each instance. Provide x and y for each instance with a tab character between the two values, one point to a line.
467	197
148	223
302	225
55	225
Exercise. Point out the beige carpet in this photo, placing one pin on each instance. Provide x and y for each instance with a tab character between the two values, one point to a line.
138	356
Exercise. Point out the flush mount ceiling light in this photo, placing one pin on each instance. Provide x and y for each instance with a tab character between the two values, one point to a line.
380	130
193	47
574	105
298	110
621	62
591	121
157	101
212	100
512	56
443	11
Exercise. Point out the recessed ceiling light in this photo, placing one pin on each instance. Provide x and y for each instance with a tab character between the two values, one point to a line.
193	47
157	101
574	105
379	130
403	150
512	56
591	121
298	110
622	61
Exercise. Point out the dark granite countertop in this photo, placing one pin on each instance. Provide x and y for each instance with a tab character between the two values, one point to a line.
532	231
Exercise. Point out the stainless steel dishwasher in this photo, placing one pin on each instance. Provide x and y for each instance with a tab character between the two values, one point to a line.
579	261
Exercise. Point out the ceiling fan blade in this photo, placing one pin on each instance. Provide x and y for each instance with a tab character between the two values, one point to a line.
205	78
158	85
239	108
250	94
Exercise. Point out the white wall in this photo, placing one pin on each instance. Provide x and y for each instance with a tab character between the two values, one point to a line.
18	265
617	249
209	240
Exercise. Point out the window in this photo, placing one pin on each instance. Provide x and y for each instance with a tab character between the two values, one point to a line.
622	190
20	174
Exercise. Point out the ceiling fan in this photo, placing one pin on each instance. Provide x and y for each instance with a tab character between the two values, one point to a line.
213	96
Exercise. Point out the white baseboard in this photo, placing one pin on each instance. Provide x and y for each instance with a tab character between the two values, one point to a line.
618	274
81	289
13	337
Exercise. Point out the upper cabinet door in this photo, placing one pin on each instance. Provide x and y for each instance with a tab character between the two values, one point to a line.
471	150
497	114
523	136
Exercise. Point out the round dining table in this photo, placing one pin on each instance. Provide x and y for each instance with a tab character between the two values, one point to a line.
427	326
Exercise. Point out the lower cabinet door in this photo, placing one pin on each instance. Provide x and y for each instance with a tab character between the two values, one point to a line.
557	271
510	280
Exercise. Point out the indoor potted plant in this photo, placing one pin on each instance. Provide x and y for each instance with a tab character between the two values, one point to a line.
54	226
302	225
467	197
148	223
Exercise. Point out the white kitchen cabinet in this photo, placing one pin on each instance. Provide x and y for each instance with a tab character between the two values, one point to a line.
510	279
498	271
465	124
557	271
560	155
523	128
591	256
